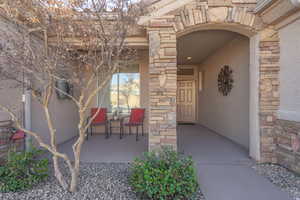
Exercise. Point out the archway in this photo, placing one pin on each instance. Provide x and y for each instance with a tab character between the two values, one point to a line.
163	32
206	105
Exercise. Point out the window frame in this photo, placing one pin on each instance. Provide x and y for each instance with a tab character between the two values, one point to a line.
118	89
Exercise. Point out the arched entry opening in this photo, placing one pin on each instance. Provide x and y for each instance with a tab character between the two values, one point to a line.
213	94
163	32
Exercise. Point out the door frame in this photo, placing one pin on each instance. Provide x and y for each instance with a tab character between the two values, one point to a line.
193	78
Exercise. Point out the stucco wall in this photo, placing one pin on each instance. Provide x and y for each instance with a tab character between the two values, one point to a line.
65	118
227	115
10	95
290	72
64	112
144	99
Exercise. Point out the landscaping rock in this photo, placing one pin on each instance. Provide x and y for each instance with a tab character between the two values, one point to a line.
282	177
98	181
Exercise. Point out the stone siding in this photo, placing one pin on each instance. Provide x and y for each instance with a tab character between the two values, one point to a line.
288	144
217	12
162	84
268	94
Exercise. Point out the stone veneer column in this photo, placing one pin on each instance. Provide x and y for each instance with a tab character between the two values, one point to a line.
162	83
269	93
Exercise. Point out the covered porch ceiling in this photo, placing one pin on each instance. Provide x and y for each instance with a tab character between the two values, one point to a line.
194	48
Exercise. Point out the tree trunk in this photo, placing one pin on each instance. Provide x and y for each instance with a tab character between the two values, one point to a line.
74	179
58	173
77	152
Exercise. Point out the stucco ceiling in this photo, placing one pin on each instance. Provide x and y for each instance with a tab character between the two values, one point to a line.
200	45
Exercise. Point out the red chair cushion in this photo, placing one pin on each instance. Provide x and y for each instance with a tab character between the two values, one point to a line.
101	116
136	115
18	135
3	142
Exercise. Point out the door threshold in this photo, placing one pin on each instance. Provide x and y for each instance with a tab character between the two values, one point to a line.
186	123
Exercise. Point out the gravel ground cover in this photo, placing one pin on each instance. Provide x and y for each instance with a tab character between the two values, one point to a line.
98	181
282	177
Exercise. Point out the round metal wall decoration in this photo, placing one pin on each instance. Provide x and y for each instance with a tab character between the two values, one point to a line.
225	80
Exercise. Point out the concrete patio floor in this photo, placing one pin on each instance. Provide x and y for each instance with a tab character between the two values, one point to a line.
98	149
224	168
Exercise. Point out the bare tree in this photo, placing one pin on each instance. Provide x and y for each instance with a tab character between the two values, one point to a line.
127	89
84	44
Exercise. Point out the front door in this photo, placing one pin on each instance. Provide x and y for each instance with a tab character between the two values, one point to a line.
186	110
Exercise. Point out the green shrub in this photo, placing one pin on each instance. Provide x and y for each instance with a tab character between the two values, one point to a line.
164	175
22	171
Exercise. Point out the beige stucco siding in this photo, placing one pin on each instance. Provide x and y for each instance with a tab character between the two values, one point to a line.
65	118
64	113
10	95
290	72
144	99
227	115
11	98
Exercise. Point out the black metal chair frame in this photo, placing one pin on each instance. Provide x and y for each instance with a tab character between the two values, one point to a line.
90	129
137	125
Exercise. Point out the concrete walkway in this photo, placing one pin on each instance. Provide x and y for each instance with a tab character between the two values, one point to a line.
224	167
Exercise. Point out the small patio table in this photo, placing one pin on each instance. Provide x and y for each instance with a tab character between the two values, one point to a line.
117	123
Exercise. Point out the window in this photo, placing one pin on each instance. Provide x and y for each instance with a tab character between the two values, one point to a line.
123	91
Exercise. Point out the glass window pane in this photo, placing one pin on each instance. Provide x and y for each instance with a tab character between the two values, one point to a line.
114	93
129	88
107	97
123	91
104	97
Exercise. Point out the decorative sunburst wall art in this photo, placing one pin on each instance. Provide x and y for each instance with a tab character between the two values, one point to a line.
225	80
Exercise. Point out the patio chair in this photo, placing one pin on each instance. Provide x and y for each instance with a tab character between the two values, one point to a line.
11	138
17	138
99	120
6	131
136	119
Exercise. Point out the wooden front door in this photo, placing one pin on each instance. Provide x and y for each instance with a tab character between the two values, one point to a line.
186	109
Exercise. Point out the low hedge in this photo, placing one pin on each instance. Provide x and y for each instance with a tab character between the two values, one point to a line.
22	171
164	175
